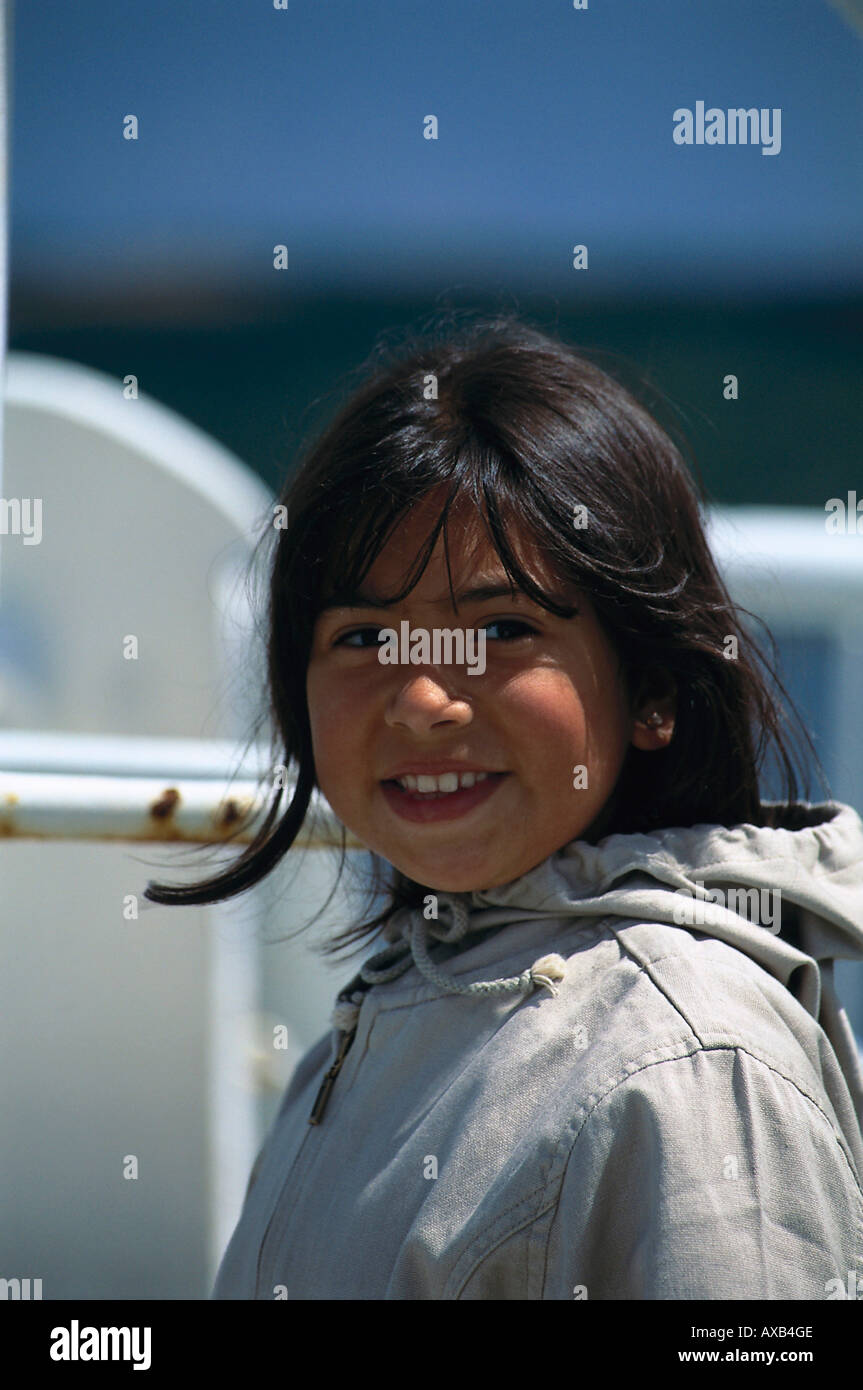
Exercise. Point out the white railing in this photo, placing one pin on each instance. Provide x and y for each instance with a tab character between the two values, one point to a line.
57	786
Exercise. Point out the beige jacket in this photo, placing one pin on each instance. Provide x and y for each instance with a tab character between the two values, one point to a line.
613	1078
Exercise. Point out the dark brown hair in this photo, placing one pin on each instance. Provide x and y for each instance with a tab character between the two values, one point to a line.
527	430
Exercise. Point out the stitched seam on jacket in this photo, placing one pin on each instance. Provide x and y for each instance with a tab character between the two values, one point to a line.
780	1067
644	965
457	1282
731	1036
587	1113
554	1163
553	1183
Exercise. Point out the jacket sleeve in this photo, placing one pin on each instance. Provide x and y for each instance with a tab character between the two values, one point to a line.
709	1176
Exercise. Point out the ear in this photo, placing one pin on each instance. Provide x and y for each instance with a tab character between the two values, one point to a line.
655	708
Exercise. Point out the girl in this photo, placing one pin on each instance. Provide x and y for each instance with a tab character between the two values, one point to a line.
601	1055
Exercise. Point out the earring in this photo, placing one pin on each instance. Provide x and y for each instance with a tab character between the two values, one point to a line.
654	719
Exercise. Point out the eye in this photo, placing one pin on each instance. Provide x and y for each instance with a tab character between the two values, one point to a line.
358	632
525	630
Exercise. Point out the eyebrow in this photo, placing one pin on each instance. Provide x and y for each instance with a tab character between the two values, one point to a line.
480	593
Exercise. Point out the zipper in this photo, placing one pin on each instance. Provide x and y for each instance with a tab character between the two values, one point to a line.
330	1078
317	1110
278	1218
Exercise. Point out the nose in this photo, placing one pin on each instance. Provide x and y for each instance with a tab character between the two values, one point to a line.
422	702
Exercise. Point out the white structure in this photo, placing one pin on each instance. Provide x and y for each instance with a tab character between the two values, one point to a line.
145	1036
784	565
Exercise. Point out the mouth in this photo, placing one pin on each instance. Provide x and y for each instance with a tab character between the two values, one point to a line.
422	797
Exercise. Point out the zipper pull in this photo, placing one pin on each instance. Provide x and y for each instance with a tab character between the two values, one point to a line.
330	1078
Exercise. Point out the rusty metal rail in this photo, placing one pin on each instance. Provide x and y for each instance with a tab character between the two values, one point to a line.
61	786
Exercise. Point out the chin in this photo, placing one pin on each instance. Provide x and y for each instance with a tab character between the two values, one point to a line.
460	883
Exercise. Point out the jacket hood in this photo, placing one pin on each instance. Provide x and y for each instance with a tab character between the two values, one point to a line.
788	894
783	893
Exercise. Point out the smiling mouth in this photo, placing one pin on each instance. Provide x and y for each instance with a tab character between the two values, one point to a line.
437	803
444	784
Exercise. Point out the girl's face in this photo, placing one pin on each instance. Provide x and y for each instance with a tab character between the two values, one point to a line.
548	719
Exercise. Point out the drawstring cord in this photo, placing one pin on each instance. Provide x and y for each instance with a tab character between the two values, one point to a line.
412	949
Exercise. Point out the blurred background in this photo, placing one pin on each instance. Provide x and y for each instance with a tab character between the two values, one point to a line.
153	257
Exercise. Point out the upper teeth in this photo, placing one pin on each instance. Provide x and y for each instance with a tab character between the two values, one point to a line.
447	782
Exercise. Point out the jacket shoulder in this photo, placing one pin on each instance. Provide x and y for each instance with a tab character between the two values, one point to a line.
650	993
708	1175
723	998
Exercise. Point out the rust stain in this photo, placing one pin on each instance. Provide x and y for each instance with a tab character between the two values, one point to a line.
163	808
229	814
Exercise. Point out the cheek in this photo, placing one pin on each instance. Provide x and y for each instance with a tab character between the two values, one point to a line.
329	705
555	713
544	705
